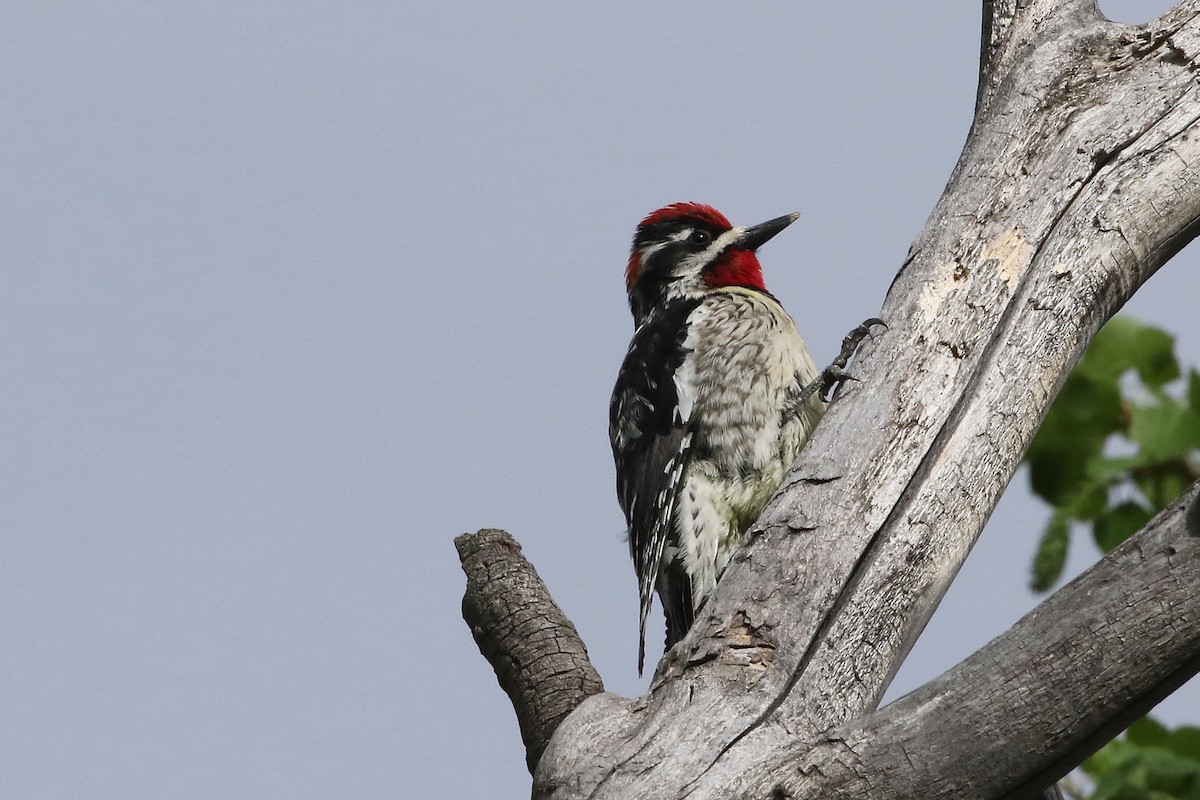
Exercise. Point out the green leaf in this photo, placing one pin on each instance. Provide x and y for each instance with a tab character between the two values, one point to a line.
1106	760
1162	482
1109	354
1157	365
1170	774
1124	344
1119	523
1164	430
1089	501
1069	469
1185	741
1108	469
1073	434
1052	552
1150	761
1147	731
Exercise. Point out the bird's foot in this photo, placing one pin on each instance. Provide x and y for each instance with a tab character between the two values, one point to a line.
833	376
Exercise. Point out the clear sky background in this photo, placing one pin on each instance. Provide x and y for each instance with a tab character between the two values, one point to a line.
291	294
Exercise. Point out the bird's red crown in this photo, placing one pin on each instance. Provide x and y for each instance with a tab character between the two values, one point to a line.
735	266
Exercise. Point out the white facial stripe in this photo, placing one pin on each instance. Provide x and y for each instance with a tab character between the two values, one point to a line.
685	278
708	254
724	240
651	249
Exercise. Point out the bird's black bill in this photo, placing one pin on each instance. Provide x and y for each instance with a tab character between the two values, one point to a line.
759	235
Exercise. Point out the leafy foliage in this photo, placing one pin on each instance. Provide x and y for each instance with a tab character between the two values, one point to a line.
1118	445
1149	762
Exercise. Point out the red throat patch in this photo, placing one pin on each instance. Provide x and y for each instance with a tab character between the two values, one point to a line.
736	268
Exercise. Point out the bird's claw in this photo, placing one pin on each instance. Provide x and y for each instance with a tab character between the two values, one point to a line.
833	376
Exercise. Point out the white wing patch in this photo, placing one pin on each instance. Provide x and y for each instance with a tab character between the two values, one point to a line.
685	391
686	379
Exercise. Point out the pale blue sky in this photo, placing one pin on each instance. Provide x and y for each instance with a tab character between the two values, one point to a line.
295	292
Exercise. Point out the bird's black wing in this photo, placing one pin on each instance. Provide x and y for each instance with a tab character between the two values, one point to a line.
651	447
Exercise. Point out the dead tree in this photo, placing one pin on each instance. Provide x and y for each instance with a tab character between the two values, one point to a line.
1079	178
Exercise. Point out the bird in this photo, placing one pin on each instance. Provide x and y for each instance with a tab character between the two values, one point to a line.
712	404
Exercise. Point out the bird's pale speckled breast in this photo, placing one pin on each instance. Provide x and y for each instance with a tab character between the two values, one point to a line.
744	370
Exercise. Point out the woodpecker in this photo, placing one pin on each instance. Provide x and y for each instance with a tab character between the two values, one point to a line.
711	406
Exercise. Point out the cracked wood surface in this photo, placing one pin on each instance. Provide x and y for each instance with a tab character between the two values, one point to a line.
540	661
1079	178
1058	684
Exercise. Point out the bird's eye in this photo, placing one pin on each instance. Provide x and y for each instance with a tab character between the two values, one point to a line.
701	238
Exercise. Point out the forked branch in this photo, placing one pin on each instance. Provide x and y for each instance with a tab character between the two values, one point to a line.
1058	684
1080	177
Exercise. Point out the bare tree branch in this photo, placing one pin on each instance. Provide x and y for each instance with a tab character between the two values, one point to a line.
539	659
1058	684
1008	31
1076	183
1080	177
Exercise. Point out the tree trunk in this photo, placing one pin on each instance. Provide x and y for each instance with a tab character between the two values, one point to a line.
1079	178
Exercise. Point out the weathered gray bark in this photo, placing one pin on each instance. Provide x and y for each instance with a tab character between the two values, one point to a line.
540	661
1080	177
1035	701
